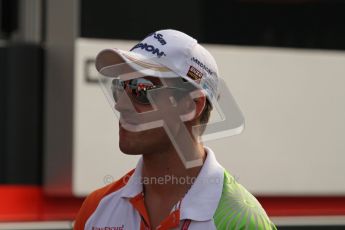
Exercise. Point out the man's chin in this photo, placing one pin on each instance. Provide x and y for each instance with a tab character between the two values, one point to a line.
129	151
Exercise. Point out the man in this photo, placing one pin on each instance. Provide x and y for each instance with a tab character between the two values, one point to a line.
164	90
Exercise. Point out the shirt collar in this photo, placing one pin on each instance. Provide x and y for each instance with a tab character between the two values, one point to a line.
134	185
201	201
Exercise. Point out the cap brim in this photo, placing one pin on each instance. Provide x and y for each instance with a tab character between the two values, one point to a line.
114	62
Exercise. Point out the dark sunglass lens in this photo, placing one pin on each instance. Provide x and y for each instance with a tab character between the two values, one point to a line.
139	87
142	97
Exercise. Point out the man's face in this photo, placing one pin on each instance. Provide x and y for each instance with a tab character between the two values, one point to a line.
150	140
131	142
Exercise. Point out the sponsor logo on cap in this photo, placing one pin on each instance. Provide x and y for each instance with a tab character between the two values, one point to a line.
149	48
159	37
202	65
194	74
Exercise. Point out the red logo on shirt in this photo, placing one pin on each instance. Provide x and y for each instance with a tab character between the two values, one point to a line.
108	228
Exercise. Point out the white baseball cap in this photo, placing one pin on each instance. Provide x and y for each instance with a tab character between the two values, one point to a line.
164	52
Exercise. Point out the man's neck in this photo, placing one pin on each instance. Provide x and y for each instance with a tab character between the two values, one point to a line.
164	173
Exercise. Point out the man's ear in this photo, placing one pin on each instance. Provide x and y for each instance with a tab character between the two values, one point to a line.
200	103
194	104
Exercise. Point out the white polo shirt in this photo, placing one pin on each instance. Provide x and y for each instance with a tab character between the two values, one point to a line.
214	201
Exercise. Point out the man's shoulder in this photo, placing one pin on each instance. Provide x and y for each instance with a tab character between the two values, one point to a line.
91	202
238	208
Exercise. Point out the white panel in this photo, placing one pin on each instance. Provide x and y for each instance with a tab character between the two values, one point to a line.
293	102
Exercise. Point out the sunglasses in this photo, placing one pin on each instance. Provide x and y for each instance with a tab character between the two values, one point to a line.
138	89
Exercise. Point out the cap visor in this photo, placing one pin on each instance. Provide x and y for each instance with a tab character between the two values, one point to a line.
115	62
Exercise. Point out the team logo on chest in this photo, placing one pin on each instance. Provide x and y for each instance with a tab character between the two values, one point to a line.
122	227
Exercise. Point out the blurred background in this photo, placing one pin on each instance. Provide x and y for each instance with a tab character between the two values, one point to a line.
284	62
